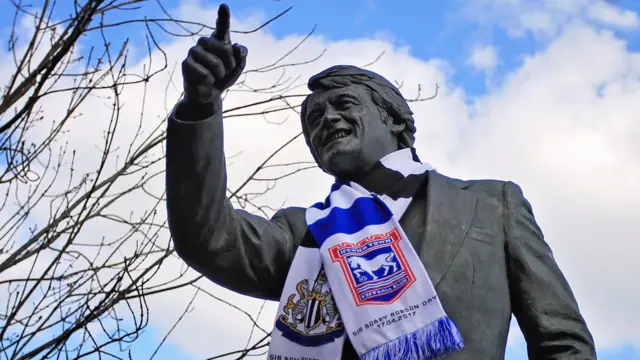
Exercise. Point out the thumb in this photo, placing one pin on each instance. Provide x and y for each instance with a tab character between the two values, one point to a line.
240	55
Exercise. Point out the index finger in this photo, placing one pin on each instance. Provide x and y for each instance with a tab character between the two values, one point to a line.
223	23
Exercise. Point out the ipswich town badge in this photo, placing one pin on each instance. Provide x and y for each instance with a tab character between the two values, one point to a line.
311	315
375	268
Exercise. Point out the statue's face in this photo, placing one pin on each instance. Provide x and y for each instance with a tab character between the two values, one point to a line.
347	132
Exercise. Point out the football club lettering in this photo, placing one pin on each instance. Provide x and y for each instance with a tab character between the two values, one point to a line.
375	268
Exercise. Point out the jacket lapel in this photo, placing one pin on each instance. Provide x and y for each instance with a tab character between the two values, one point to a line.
449	213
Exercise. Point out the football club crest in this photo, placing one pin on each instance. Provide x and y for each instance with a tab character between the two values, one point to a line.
311	316
375	268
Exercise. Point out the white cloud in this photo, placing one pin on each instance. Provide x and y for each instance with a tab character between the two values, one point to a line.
605	12
563	129
483	57
572	149
546	18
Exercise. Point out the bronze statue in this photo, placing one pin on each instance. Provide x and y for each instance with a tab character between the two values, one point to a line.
478	239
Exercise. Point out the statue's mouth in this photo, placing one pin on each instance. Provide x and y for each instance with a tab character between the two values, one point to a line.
336	135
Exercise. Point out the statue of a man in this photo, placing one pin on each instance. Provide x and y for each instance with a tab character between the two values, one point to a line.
460	257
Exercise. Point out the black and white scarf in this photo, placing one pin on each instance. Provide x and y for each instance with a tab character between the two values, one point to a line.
357	275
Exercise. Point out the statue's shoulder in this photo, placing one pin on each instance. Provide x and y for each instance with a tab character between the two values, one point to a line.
492	188
294	217
293	213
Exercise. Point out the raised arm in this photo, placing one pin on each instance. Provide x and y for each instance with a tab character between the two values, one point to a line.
541	298
233	248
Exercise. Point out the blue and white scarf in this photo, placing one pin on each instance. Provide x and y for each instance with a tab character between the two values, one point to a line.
381	296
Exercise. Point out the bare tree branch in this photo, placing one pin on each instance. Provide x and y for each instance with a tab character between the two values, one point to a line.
78	263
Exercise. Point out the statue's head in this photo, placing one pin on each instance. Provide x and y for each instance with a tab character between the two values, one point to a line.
353	118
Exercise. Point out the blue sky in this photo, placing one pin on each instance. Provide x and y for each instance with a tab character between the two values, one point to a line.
432	29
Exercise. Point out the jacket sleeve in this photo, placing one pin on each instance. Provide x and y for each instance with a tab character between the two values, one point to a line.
240	251
541	299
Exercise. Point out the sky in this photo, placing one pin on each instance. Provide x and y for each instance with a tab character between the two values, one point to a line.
543	93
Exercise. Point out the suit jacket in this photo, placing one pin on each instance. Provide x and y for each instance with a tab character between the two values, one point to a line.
478	241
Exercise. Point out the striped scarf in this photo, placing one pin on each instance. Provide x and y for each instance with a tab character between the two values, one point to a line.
357	275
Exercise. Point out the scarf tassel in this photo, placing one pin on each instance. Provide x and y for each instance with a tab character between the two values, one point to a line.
433	341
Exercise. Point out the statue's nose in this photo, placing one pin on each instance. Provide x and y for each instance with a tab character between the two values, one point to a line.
331	116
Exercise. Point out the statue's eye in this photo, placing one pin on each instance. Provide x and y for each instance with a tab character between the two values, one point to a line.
345	104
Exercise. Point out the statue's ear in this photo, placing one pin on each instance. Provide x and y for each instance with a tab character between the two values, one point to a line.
395	126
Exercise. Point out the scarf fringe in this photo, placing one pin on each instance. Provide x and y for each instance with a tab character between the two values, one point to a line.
430	342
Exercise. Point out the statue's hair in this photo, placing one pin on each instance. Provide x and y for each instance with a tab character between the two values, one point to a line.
385	96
